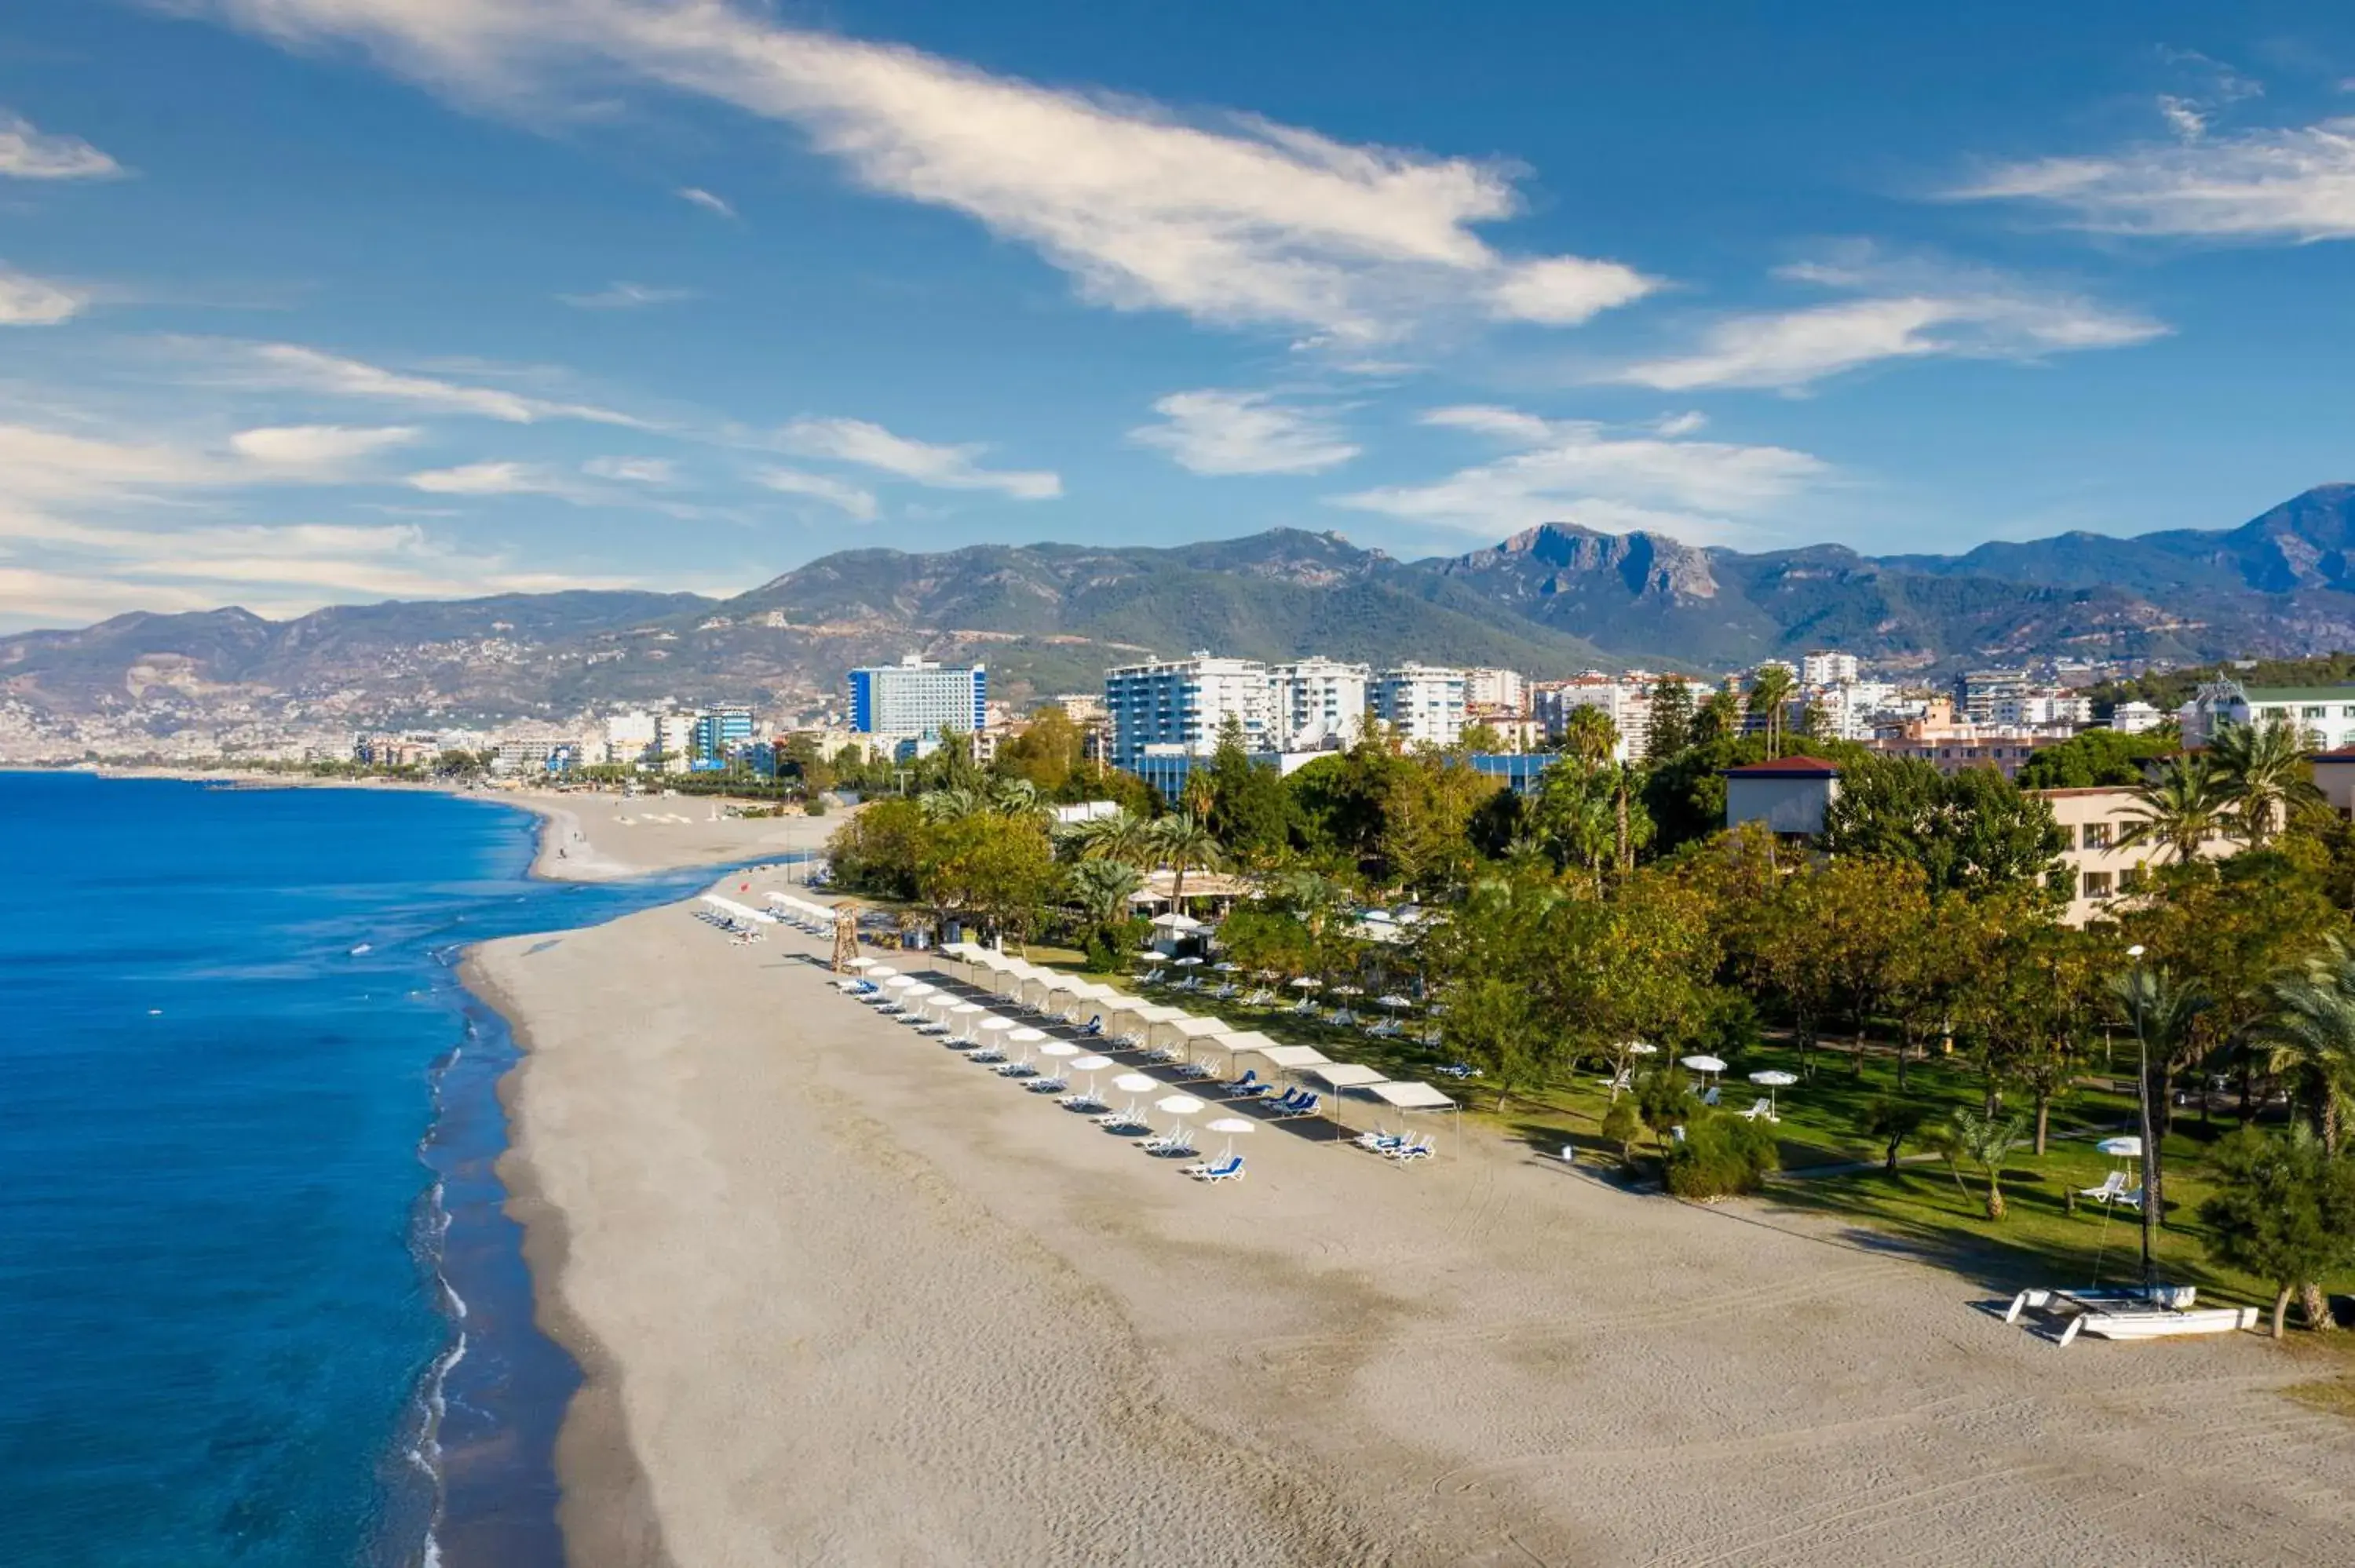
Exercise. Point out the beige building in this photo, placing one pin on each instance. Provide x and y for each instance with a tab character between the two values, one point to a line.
2103	868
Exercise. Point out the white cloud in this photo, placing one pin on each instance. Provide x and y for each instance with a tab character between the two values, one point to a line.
850	498
1912	310
2293	184
309	449
1230	219
27	154
941	467
705	200
294	367
636	471
28	301
495	479
619	296
1573	471
1213	431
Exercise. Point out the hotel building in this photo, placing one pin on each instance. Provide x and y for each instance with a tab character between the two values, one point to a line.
918	697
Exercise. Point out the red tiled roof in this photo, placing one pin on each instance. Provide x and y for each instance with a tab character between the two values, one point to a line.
1786	767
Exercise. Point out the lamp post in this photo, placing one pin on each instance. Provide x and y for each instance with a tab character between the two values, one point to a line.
2151	1196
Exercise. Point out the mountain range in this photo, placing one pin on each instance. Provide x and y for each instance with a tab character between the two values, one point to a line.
1051	618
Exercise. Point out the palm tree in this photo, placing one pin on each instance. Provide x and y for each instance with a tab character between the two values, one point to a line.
1770	693
1183	841
1588	735
951	805
1104	888
2261	773
1015	798
2162	1011
2180	809
1718	717
1121	837
1986	1140
2311	1036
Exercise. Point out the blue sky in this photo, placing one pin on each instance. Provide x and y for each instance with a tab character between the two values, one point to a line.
305	300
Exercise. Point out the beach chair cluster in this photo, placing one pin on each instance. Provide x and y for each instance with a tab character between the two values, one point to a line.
1396	1147
740	931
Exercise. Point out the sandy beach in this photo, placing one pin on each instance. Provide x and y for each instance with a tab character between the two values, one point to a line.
587	837
845	1297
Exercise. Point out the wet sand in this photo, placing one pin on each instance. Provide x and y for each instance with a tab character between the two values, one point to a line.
844	1297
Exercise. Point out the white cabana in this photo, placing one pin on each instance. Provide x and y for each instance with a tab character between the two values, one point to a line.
1344	1075
1183	1030
1236	1042
1412	1097
736	911
1141	1016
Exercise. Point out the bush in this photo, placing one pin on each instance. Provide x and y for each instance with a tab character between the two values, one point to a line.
1721	1156
1621	1124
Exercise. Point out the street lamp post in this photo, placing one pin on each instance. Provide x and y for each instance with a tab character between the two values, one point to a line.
2151	1194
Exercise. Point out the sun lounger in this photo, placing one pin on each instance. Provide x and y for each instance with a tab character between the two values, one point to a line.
1625	1080
1083	1101
1231	1168
1306	1105
1259	998
1710	1098
1167	1146
1418	1149
1381	1142
1047	1084
1091	1028
1459	1070
1763	1111
1243	1085
2109	1191
1287	1100
1022	1069
1194	1070
1121	1121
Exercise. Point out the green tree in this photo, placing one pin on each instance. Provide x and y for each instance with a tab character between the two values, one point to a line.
2179	809
2164	1012
1970	832
1427	814
1986	1140
2094	758
1771	689
1588	736
2284	1211
997	870
1102	889
1671	728
877	850
1184	842
2310	1038
2260	774
1718	719
1048	752
1480	738
1892	1123
1249	809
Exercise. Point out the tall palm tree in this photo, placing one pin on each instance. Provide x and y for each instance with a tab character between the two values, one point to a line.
1119	836
2180	809
2311	1034
1183	841
2261	773
1588	735
951	805
1770	694
2162	1010
1103	888
1986	1140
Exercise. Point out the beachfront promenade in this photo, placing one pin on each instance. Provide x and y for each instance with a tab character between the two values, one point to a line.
845	1296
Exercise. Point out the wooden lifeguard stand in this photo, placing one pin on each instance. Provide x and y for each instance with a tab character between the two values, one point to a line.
845	937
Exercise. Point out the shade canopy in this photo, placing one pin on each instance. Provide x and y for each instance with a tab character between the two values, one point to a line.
1640	1048
1175	921
1196	1028
1308	982
1774	1079
1238	1041
1345	1075
1411	1097
728	907
1290	1056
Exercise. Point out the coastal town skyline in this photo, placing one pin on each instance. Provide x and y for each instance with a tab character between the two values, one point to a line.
316	301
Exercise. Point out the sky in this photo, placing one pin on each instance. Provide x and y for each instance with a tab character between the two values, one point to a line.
328	301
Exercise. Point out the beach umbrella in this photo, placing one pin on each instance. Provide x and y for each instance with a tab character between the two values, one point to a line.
1136	1083
1231	1126
992	1023
1053	1047
1641	1048
1772	1079
1091	1065
1394	1000
1703	1064
864	963
1348	990
1307	982
1179	1108
1188	962
1226	969
901	982
880	971
969	1011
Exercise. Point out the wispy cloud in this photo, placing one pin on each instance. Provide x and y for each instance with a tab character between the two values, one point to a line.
2293	184
1575	471
1909	310
316	448
941	467
1231	219
1222	432
28	301
498	479
49	466
705	200
619	296
849	498
27	154
635	470
293	367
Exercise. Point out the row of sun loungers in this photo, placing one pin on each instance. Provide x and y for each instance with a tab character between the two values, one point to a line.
1396	1146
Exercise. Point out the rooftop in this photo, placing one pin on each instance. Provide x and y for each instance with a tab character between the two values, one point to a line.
1786	767
2300	694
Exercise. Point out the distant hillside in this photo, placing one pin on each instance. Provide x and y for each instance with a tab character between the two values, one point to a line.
1051	618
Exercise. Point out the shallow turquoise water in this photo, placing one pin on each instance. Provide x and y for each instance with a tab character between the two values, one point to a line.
241	1102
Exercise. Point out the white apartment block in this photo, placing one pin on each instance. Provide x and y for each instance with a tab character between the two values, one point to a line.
1316	705
1423	703
674	740
629	738
1496	689
2324	717
1828	667
2134	718
1183	703
2032	709
1851	707
1625	701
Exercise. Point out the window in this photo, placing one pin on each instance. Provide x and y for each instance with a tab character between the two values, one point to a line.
2314	712
2130	879
2094	836
2097	885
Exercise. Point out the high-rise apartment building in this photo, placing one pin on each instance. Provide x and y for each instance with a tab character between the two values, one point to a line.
719	731
1626	700
1318	703
919	697
1183	703
1827	667
1499	690
1423	703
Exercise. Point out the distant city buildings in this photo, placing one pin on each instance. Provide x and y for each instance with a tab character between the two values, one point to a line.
2323	717
1827	668
1318	705
1180	705
917	697
1423	703
1626	700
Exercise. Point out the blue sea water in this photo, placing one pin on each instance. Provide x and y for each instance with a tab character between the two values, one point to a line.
257	1306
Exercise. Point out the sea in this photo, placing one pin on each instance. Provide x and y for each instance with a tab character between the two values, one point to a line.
259	1304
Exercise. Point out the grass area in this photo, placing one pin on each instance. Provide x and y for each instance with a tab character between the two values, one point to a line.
2041	1239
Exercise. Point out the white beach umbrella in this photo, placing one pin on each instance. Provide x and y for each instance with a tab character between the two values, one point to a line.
1232	1126
1703	1064
1026	1037
864	963
901	982
1179	1108
971	1013
1226	969
2127	1148
1059	1048
1307	982
880	971
993	1023
1394	1001
1641	1048
1348	990
1772	1079
1136	1083
1188	962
